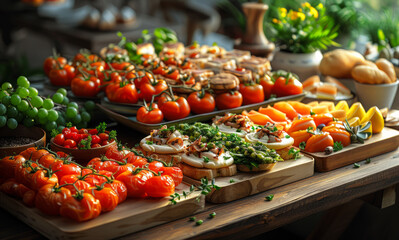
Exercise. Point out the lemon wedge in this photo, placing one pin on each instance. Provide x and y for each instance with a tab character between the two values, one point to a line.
342	105
353	122
356	110
375	117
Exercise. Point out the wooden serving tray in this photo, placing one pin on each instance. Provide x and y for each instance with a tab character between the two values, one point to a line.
130	216
246	184
385	141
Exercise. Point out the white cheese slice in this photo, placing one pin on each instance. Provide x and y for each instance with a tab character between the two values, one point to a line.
224	160
285	141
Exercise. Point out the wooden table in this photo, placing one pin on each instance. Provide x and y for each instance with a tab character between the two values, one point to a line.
254	215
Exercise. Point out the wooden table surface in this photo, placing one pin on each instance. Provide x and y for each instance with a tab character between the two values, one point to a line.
254	215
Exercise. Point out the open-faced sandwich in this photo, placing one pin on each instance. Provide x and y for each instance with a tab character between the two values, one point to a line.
234	123
165	144
206	160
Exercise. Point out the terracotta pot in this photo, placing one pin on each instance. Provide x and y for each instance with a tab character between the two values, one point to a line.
302	64
38	134
82	156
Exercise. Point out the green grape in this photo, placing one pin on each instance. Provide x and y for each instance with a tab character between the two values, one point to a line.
23	92
89	105
32	112
20	117
52	115
23	82
58	98
3	109
23	106
12	123
6	86
28	122
3	121
36	101
63	91
61	120
65	101
33	92
50	125
2	94
43	121
15	99
6	100
71	112
12	112
42	113
86	116
73	104
77	119
48	103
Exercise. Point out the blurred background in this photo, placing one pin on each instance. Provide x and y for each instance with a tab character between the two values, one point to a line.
31	29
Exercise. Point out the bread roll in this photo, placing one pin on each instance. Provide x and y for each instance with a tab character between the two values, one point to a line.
339	63
386	66
370	75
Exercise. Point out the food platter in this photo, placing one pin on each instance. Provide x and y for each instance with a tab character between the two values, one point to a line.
130	216
383	142
245	184
131	121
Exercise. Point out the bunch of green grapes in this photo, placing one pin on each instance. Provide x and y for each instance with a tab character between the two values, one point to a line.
23	105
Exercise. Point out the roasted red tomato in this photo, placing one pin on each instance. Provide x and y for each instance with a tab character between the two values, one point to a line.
49	199
62	76
201	102
175	172
147	90
107	197
43	177
122	92
160	186
252	93
119	188
81	208
150	114
85	87
228	100
135	182
286	84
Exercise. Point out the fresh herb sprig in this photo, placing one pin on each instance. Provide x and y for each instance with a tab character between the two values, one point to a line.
205	187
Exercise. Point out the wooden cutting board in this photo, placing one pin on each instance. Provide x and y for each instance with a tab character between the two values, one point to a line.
128	217
385	141
246	184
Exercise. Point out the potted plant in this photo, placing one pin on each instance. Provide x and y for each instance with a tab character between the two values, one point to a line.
300	34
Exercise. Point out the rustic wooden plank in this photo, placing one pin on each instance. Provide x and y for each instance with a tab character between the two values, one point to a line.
245	184
386	141
130	216
253	215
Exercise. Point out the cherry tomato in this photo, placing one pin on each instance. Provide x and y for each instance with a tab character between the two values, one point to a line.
53	62
177	108
252	93
147	90
150	114
76	181
201	102
122	93
47	160
82	208
70	143
228	100
135	182
28	152
160	186
107	197
96	180
286	87
62	76
49	199
65	167
319	142
119	188
59	139
155	166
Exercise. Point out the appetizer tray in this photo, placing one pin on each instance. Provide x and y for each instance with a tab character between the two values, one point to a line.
245	184
385	141
130	216
131	121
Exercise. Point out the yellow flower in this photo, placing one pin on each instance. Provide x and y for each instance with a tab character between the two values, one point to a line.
306	5
276	21
283	12
320	6
314	12
294	15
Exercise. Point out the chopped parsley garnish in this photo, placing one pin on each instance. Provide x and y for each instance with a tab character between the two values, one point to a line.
150	142
356	165
226	157
337	146
287	136
232	181
302	145
269	197
206	159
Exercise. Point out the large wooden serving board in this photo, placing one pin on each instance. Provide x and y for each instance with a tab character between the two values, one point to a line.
385	141
128	217
246	184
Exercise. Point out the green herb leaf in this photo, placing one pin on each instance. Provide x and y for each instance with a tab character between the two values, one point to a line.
101	127
232	181
192	219
368	160
199	222
206	159
150	142
302	145
269	197
337	146
356	165
212	215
